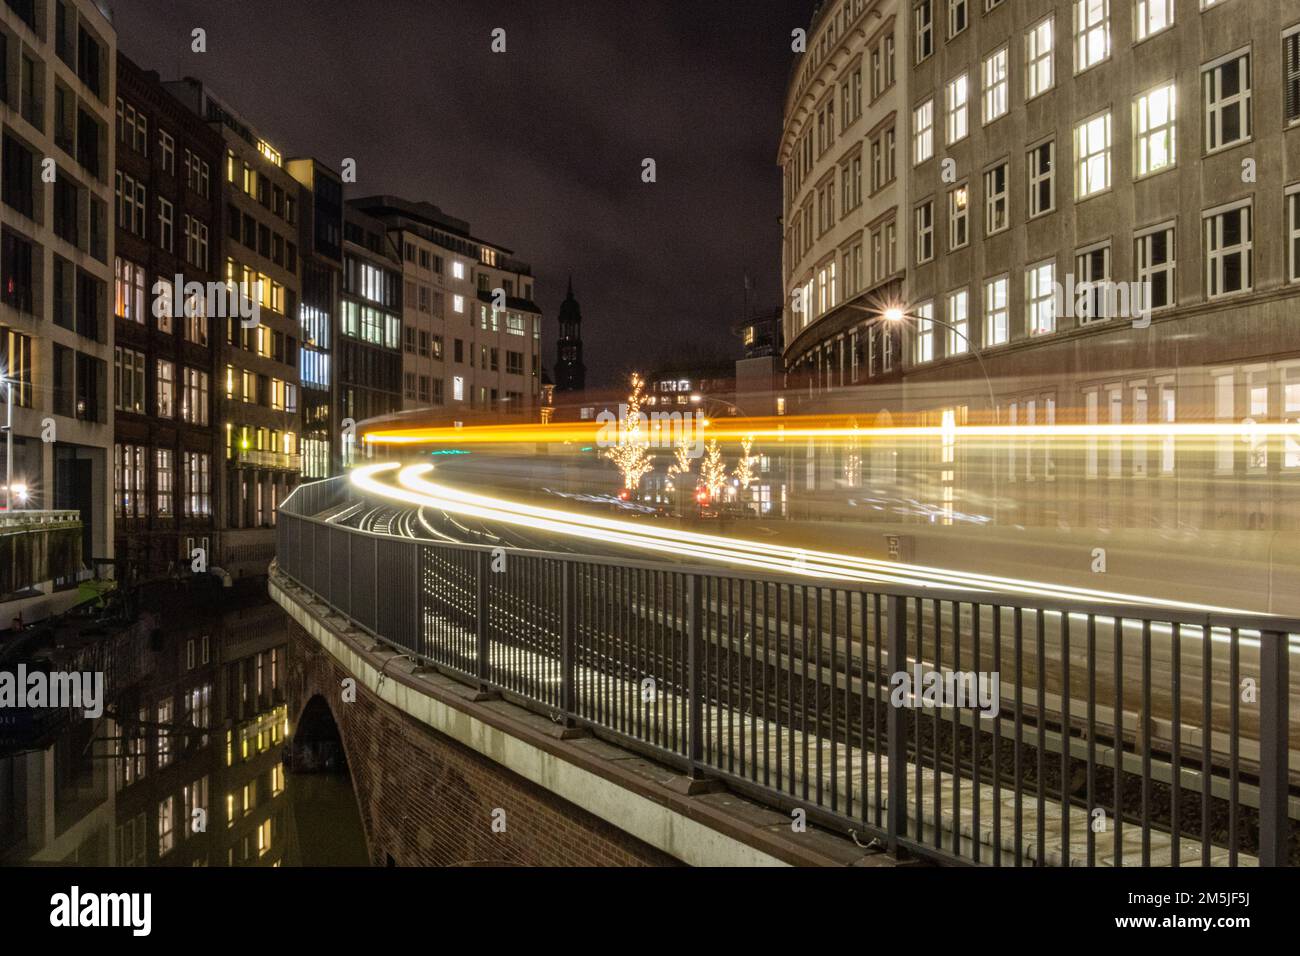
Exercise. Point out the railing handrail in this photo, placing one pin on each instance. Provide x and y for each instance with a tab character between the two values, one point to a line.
1156	613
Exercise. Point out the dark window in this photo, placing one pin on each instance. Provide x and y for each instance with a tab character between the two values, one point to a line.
65	210
63	292
16	272
88	60
91	294
88	144
26	10
17	186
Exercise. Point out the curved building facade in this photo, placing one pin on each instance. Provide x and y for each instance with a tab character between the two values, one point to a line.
1100	199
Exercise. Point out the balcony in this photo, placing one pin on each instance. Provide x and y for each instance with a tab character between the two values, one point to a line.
38	546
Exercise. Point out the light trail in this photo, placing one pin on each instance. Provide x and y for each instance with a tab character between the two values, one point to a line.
777	558
780	428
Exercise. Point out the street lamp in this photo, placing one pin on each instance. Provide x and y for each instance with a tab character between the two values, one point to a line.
896	314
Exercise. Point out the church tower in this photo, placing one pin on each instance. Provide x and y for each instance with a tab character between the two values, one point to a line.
570	373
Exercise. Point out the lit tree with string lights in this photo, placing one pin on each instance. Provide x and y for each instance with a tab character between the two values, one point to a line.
745	467
713	471
629	455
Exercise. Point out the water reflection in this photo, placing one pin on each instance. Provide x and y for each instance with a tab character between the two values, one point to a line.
185	767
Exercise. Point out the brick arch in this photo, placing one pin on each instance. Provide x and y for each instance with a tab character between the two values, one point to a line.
427	800
311	680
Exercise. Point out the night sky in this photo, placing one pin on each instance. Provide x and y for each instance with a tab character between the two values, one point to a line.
539	148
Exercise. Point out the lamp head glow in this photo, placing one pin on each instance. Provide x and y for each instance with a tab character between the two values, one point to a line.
20	493
894	314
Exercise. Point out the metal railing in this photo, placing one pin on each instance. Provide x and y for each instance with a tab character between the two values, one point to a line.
1114	735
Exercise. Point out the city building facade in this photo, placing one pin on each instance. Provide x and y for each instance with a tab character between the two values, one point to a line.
164	355
258	395
320	200
472	332
57	91
1098	210
370	336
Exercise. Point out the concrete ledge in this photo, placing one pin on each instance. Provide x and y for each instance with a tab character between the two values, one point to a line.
636	795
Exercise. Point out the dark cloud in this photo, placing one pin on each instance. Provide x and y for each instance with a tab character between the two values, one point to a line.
539	148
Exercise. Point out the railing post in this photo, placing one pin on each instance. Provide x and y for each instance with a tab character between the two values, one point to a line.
895	727
695	675
1274	773
568	642
481	571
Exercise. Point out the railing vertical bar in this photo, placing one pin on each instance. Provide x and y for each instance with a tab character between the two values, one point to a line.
1066	738
1274	772
695	676
1018	651
1117	625
896	728
956	731
817	697
1207	724
1146	742
1234	742
834	672
1176	749
936	723
1091	800
1040	719
997	741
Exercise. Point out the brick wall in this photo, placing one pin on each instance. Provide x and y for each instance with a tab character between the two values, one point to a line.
427	800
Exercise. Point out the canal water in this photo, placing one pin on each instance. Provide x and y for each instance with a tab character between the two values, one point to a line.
185	767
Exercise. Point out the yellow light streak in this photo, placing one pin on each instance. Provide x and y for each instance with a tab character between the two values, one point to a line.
739	429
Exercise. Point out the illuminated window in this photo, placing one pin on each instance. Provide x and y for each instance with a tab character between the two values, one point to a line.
959	319
1039	71
1040	298
1091	33
996	85
958	108
958	217
925	332
1154	130
1154	16
1092	172
457	269
923	132
996	305
996	217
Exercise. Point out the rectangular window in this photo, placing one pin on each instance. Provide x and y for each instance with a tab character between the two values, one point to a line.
1042	179
163	472
1227	91
996	85
924	16
165	223
1092	156
166	389
1153	16
1291	76
1154	130
923	132
1040	298
129	290
958	17
198	484
1092	277
924	232
1039	73
924	333
958	113
194	396
958	217
1091	33
1155	265
996	216
959	320
1229	244
997	326
129	380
